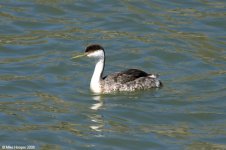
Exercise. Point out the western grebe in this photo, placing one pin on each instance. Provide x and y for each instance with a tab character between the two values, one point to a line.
128	80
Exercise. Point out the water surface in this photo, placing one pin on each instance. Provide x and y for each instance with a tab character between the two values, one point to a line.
44	96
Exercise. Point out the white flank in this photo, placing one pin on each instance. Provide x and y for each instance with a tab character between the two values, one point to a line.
152	76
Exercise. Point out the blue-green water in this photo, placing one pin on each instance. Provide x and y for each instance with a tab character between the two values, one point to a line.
44	96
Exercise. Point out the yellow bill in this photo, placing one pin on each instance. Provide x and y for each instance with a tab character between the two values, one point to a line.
78	56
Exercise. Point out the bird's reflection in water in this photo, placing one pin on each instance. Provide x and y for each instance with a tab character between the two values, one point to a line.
96	118
99	103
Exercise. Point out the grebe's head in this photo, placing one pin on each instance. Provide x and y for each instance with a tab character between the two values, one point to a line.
95	51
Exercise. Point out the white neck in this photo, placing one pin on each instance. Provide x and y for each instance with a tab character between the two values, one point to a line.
95	84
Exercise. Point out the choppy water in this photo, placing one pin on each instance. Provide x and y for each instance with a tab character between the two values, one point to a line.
44	96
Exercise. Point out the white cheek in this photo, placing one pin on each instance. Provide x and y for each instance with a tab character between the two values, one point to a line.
96	54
